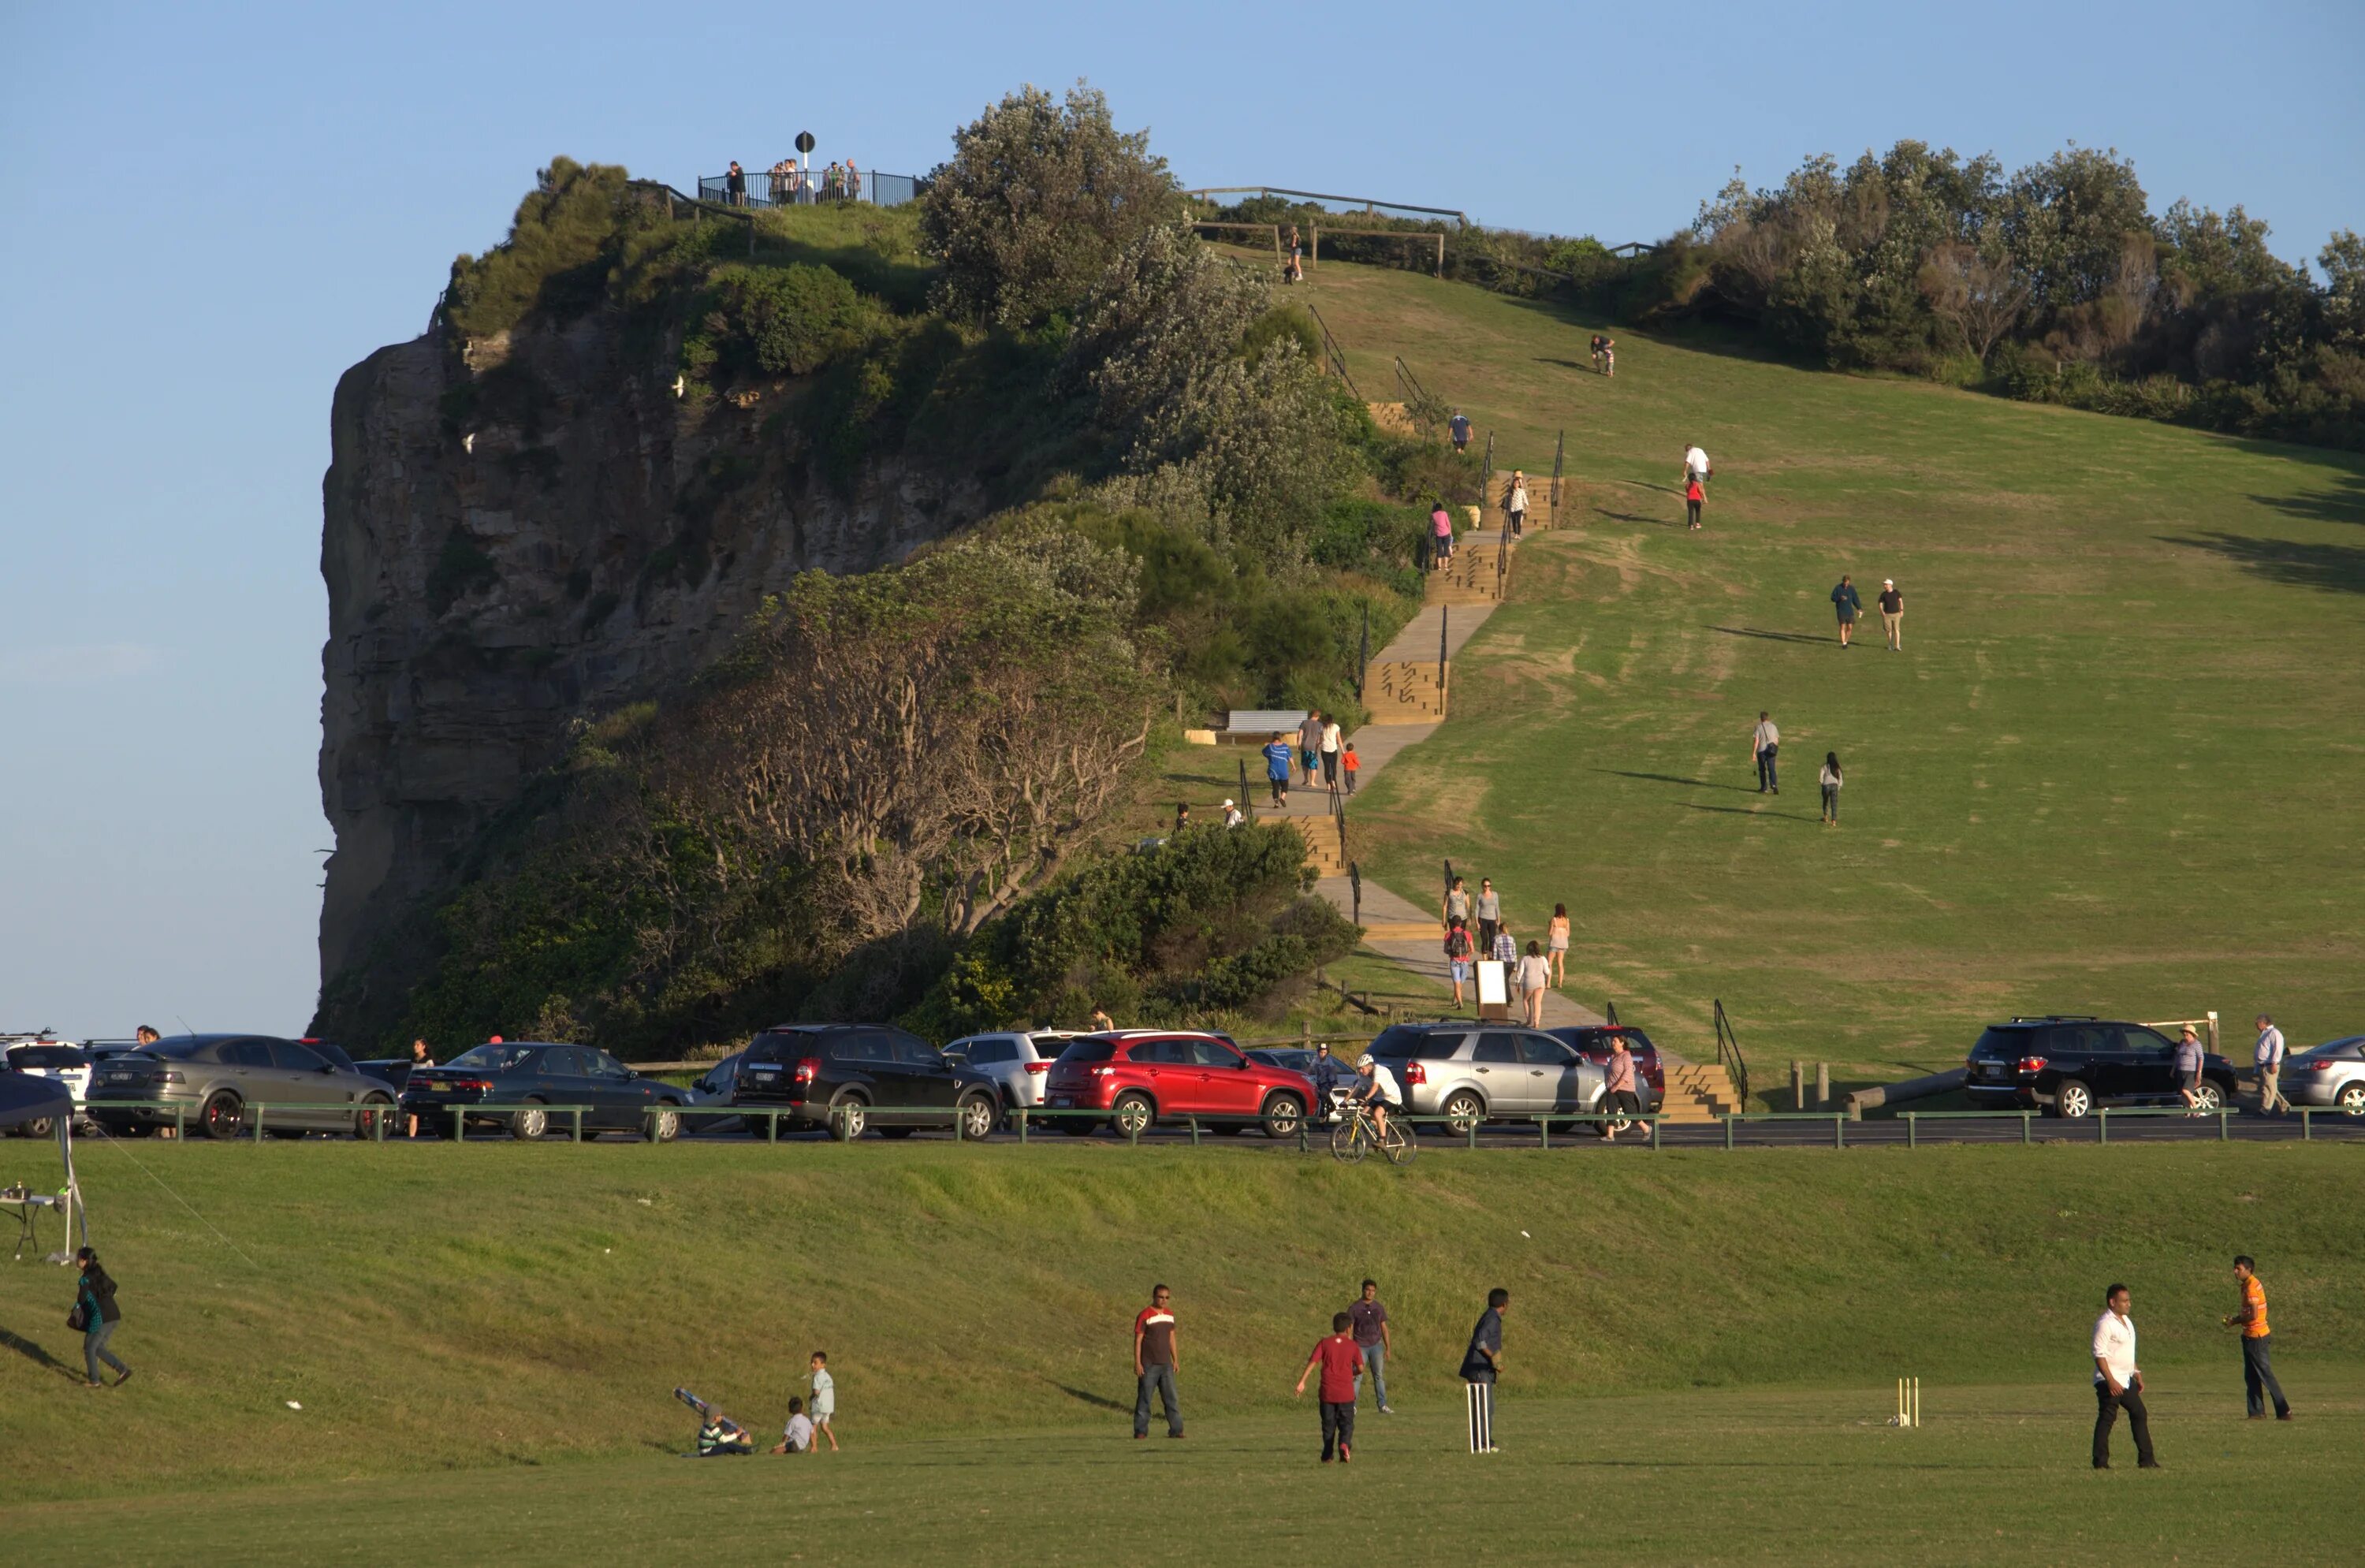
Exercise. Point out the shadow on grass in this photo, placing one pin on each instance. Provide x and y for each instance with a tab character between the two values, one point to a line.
2348	505
1671	779
2335	568
1635	517
1750	812
1775	636
1097	1401
35	1354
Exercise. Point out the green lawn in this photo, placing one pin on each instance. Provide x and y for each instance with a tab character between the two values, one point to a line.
2112	771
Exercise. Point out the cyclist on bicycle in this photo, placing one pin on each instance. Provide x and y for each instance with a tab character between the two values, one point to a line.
1378	1091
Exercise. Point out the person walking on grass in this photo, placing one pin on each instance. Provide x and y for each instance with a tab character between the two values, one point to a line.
1556	943
2187	1070
2267	1057
1850	604
2118	1381
1481	1364
1535	978
1341	1364
1696	464
1515	502
1350	765
1459	427
1457	955
1156	1363
1277	758
1309	743
1619	1095
1440	528
824	1404
1764	742
1830	780
1330	743
1490	913
1371	1337
2258	1384
96	1314
1695	496
1892	614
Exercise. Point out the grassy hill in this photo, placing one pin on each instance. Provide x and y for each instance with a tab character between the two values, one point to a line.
2109	773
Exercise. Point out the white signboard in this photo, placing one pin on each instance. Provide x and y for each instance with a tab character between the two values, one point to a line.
1492	988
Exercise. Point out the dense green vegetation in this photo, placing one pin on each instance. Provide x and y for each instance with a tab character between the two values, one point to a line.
438	1309
2109	773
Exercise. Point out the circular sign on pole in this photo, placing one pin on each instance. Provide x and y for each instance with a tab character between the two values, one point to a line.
804	141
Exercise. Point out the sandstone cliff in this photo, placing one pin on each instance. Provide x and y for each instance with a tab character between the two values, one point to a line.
529	529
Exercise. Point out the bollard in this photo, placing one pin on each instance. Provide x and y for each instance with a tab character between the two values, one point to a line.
772	1127
578	1123
1543	1123
1022	1124
258	1122
1822	1085
1728	1132
1798	1087
459	1129
1194	1132
1910	1118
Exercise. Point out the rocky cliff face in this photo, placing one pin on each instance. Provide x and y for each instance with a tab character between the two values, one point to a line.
523	530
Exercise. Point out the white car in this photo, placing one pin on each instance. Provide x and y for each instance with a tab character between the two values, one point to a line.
39	1055
2330	1074
1017	1059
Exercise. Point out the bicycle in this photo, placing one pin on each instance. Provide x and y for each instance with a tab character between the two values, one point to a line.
1359	1133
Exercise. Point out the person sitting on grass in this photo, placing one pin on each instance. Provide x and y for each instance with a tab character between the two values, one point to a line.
797	1437
1377	1091
718	1435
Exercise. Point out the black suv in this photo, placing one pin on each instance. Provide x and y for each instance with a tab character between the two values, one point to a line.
835	1075
2067	1066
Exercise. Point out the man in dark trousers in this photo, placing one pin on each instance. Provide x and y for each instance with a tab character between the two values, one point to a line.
2258	1384
1155	1362
1480	1363
1341	1361
1765	742
1459	425
1850	604
1371	1324
2118	1381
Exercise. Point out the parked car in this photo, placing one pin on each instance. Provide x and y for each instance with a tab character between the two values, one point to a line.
2330	1074
214	1079
1300	1059
835	1075
1472	1072
392	1071
714	1087
1141	1075
1591	1041
531	1074
43	1057
2065	1066
1019	1060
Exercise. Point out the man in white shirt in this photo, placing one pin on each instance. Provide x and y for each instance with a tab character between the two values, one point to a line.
1764	742
1378	1090
1695	464
2118	1381
2268	1058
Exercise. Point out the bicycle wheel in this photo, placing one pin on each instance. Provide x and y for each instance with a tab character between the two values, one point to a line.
1352	1141
1400	1145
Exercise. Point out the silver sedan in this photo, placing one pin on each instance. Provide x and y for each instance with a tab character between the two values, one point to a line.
2330	1074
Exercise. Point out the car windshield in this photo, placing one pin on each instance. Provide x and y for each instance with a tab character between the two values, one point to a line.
1089	1050
491	1058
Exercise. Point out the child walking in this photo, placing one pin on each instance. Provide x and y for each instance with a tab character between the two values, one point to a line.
1352	764
1831	782
1694	494
824	1399
1341	1361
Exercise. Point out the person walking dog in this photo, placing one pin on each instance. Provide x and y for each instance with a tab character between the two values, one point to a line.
2269	1059
96	1314
2258	1384
1850	604
2118	1381
1341	1363
1764	742
1156	1363
1829	778
1371	1324
1481	1364
1892	614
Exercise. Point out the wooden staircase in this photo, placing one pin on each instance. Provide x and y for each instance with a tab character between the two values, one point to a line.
1404	692
1699	1094
1324	851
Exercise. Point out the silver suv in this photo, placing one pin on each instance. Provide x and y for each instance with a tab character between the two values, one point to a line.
1018	1059
1473	1071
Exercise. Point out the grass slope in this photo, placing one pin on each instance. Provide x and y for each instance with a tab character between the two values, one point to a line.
2111	773
437	1309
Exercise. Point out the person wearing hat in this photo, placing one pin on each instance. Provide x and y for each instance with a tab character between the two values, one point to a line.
1233	815
1892	614
1515	502
2187	1070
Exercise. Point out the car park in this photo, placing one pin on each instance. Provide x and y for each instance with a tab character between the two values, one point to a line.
851	1078
1591	1041
2330	1074
2070	1066
215	1082
1017	1059
1471	1073
1140	1076
513	1085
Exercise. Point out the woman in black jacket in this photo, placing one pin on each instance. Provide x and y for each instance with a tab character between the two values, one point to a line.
94	1306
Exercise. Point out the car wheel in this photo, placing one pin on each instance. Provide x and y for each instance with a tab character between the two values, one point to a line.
977	1117
39	1127
377	1108
1283	1115
664	1125
223	1116
1131	1116
1464	1111
2351	1098
530	1123
1076	1126
848	1119
2208	1097
2073	1099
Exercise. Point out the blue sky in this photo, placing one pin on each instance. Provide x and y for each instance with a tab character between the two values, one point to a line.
210	212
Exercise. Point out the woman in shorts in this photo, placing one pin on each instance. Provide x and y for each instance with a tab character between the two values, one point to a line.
1556	943
1457	956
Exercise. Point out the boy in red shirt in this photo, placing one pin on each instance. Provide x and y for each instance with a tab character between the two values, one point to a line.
1694	494
1341	1358
1352	764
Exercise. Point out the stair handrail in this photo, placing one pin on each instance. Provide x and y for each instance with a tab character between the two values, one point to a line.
1338	358
1728	1054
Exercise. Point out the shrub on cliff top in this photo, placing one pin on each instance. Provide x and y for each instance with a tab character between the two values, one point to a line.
556	258
788	321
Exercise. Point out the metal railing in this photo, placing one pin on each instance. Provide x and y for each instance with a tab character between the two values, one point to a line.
1728	1053
1336	359
763	188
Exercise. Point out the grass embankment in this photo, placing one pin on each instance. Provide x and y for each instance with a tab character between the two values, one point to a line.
2110	772
439	1309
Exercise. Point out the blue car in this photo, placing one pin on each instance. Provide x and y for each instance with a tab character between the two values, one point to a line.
523	1076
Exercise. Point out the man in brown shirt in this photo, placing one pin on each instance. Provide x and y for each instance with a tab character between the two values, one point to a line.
1155	1362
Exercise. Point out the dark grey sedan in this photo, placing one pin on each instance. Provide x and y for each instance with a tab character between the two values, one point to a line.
218	1082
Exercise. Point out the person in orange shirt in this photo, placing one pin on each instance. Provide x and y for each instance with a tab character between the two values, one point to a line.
2258	1369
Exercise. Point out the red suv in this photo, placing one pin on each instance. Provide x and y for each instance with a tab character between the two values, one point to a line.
1138	1076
